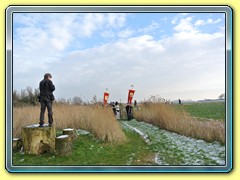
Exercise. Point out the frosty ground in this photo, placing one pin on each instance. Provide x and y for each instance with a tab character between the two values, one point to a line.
173	149
146	145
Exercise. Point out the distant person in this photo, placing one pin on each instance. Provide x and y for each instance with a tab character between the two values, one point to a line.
129	111
117	110
114	108
46	98
135	103
179	101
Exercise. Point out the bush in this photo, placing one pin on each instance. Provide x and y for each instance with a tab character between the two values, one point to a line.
96	119
167	117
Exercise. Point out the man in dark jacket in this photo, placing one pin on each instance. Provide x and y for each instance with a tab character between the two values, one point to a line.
46	97
129	111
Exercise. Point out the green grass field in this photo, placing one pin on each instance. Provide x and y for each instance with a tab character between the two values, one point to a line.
214	111
88	150
171	148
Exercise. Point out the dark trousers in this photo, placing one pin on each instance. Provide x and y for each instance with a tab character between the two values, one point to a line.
46	104
129	114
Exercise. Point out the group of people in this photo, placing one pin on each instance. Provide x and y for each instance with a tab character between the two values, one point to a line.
115	108
46	98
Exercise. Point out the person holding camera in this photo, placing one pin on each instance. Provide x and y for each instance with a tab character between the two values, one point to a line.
46	98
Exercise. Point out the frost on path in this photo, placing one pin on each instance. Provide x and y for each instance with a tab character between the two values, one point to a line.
175	149
144	136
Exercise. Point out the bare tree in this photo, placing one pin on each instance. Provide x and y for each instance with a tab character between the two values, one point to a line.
15	95
222	96
94	100
77	100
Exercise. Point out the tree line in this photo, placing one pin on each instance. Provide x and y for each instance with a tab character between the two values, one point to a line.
29	97
25	97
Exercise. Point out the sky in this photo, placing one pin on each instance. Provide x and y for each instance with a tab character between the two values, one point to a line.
172	55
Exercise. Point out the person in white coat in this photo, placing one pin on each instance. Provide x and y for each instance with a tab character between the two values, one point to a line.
118	110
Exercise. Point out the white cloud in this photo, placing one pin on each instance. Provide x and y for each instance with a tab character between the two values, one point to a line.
155	67
125	33
222	28
184	25
116	20
90	23
148	29
42	37
174	21
184	14
60	36
217	21
107	34
57	32
187	61
176	18
201	22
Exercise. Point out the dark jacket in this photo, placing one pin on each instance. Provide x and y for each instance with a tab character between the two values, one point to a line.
129	109
46	89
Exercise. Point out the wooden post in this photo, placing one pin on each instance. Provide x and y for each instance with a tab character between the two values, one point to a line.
71	132
63	145
16	144
38	140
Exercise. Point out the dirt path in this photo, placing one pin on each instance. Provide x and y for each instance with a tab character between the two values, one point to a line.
174	149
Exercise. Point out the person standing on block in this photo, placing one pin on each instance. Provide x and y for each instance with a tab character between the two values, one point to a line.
46	98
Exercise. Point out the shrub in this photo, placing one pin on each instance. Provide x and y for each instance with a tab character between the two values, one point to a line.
96	119
167	117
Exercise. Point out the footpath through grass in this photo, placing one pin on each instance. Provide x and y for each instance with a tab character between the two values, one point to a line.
161	148
174	149
88	150
171	149
214	111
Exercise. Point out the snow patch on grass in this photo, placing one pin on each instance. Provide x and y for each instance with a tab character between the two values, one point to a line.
68	129
175	149
144	136
82	132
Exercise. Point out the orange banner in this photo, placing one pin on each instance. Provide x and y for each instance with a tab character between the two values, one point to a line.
130	95
105	98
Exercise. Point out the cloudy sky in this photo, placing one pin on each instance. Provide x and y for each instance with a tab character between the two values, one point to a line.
173	55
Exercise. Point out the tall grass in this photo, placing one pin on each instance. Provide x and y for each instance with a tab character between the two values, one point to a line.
96	119
169	118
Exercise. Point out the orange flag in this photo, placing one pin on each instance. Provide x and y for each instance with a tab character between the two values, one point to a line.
130	95
105	98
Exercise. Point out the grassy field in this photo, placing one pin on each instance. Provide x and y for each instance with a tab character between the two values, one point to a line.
89	150
164	148
175	119
111	143
174	149
214	111
98	120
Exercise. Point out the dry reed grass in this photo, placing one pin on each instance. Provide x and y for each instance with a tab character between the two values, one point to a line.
169	118
96	119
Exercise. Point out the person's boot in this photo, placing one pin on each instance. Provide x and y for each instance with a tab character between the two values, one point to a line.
50	121
41	123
